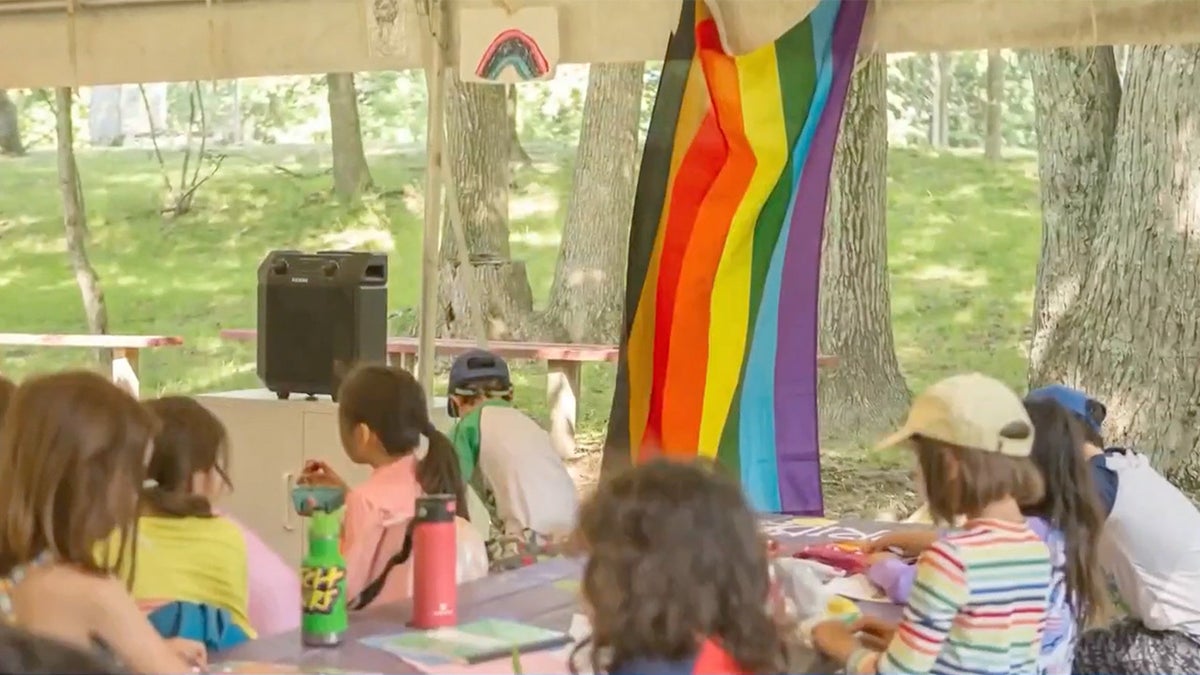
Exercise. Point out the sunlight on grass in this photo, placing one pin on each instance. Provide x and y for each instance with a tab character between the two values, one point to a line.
963	244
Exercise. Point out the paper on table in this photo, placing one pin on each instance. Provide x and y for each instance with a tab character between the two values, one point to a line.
549	662
856	587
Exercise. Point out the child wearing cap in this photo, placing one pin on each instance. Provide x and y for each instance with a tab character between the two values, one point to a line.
504	451
979	600
1150	546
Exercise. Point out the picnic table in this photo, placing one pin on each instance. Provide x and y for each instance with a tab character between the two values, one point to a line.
564	370
124	349
544	594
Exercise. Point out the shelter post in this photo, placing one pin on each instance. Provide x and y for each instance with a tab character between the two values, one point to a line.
435	84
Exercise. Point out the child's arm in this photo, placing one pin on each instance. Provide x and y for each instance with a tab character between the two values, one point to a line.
938	592
123	627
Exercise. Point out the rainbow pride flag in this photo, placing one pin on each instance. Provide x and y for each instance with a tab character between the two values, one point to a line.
720	350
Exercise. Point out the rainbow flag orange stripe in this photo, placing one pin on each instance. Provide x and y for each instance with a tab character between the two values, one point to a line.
719	355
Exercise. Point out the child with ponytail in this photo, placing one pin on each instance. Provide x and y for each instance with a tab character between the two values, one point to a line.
384	423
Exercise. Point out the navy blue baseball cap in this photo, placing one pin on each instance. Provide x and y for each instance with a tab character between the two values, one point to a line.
477	365
1086	408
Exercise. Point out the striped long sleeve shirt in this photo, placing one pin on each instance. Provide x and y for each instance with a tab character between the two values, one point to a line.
978	606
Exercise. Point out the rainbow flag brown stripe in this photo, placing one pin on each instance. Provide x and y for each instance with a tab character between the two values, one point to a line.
719	357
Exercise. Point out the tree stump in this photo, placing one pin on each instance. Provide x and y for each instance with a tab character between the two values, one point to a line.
505	298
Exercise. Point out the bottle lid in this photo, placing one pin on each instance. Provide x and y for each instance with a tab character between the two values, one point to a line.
436	509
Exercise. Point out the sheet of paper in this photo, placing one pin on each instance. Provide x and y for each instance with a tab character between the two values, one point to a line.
856	587
548	662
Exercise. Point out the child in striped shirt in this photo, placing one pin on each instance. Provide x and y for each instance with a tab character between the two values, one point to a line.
979	600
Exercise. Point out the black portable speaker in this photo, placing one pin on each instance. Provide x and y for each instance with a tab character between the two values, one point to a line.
319	315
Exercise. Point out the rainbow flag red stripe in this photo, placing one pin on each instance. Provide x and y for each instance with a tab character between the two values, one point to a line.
719	356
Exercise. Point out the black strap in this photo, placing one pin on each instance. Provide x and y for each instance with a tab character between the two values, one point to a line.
372	590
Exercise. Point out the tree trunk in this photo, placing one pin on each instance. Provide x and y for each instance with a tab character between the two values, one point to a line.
516	153
1077	98
477	150
1132	336
587	297
75	217
939	121
866	392
994	140
10	127
351	175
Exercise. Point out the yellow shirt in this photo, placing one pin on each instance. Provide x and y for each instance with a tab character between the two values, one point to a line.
201	560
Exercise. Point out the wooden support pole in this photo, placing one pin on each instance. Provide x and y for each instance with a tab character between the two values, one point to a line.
435	85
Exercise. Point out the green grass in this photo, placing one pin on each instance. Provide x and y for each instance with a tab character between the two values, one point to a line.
963	246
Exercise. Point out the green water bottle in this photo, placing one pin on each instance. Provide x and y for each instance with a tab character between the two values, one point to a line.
323	583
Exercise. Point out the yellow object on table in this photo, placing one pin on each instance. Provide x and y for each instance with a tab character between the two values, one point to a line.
843	609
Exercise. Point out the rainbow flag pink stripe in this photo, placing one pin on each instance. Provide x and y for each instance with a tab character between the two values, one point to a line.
719	356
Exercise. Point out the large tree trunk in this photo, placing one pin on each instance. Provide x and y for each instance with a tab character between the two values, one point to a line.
478	149
75	217
587	298
866	392
10	127
516	153
993	141
1077	96
939	121
351	175
1132	336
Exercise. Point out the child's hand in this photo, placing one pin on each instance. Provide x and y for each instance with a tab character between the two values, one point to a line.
876	558
835	639
190	651
317	472
874	632
910	543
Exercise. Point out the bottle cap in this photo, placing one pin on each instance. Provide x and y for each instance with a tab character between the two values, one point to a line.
435	509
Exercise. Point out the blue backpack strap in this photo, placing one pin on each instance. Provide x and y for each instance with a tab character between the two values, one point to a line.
203	623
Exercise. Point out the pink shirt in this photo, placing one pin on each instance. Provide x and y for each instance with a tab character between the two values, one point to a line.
274	586
388	496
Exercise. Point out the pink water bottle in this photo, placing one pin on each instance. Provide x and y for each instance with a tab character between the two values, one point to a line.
435	562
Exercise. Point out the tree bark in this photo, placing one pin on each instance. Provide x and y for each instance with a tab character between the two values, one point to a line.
516	152
75	216
1132	336
1077	97
866	393
587	296
351	175
10	127
993	141
478	150
939	121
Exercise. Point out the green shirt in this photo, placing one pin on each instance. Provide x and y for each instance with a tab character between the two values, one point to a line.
466	436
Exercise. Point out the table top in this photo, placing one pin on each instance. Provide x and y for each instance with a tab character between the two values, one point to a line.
545	594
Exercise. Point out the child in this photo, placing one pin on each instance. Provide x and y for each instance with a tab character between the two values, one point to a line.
1067	519
507	452
979	600
191	571
1150	546
384	423
676	579
73	446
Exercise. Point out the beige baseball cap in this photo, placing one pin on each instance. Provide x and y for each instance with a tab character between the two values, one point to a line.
972	411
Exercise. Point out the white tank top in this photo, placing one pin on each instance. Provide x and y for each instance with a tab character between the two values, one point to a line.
1151	547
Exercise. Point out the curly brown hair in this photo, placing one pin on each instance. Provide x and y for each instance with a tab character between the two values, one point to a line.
674	553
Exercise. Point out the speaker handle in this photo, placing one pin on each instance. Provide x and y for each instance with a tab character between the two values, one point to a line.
289	511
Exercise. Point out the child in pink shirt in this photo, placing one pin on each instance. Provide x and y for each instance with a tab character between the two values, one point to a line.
274	586
384	423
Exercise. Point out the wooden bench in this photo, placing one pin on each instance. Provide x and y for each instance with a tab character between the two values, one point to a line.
125	349
564	366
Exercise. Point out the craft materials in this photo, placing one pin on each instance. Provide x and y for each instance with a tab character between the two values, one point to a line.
323	618
435	551
470	643
856	587
846	556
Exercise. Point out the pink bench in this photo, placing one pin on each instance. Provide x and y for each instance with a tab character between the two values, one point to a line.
125	349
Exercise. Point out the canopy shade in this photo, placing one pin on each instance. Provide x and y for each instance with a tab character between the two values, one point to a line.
87	42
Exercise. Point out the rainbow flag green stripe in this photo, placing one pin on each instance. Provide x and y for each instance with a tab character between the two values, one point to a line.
728	218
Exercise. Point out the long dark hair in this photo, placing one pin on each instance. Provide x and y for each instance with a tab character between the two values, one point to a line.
674	554
191	440
391	403
1070	504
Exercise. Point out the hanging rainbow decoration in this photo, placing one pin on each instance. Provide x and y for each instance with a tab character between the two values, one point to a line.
512	48
719	356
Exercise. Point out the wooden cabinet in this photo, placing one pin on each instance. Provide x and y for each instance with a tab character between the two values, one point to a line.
269	441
